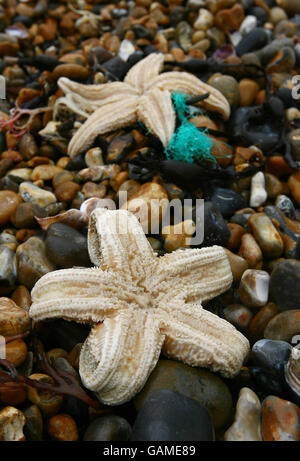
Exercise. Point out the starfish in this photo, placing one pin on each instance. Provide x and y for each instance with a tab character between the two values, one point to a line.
140	304
143	96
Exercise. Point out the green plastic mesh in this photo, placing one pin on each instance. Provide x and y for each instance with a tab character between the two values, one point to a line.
188	143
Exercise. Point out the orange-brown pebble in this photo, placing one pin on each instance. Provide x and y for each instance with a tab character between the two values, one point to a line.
278	166
63	428
8	203
12	155
236	233
48	29
14	320
261	320
250	250
12	393
21	297
294	185
280	420
66	191
244	155
230	19
73	71
248	91
16	352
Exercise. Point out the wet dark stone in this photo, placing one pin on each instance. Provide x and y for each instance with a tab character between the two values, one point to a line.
101	54
267	380
285	285
270	354
141	32
275	213
286	97
261	15
76	163
66	247
8	184
256	39
286	205
78	410
169	416
241	219
216	231
227	200
62	334
110	428
8	268
135	58
117	67
26	20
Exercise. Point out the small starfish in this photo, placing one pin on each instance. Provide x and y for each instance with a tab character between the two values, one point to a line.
141	304
144	95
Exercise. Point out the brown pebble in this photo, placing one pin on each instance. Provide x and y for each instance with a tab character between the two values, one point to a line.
261	320
294	185
14	320
238	265
230	19
48	30
66	191
72	71
21	297
63	428
236	233
16	352
8	203
248	91
280	420
251	251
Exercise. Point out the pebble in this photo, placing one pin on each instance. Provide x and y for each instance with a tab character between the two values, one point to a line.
230	19
261	320
20	174
21	297
8	269
258	192
8	203
228	86
280	420
291	6
273	186
63	428
248	90
32	262
72	71
240	316
167	415
266	235
12	423
250	251
48	402
33	428
16	352
44	172
285	285
94	157
204	21
66	247
236	233
216	231
248	24
23	216
286	205
238	265
254	288
35	195
271	355
294	185
254	40
227	200
201	385
14	320
247	420
178	236
108	428
284	326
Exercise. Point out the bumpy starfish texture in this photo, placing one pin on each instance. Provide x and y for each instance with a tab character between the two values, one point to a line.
143	96
140	305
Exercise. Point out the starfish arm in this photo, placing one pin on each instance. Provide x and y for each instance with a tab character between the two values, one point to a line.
107	118
201	274
84	295
200	338
141	74
156	111
119	355
99	95
117	242
188	83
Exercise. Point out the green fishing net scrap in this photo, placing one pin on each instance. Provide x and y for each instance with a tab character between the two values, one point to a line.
188	143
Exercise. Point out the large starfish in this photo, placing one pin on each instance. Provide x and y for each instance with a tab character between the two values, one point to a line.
144	95
139	304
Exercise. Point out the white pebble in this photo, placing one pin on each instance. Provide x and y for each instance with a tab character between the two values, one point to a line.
235	38
249	23
258	191
204	21
126	49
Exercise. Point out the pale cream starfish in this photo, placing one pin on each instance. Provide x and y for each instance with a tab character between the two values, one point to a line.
141	304
144	95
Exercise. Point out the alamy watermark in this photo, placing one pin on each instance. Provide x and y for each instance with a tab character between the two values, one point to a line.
2	348
296	87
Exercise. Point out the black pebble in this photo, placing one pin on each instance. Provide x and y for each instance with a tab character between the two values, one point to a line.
109	428
169	416
117	67
256	39
216	231
285	284
270	354
66	247
227	200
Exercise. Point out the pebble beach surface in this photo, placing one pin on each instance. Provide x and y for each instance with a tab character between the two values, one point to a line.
248	50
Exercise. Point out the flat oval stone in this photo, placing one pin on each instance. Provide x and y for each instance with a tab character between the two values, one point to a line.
66	247
201	385
256	39
254	288
266	235
169	416
216	231
280	420
35	195
110	428
247	424
32	262
8	203
285	284
13	319
286	205
284	326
